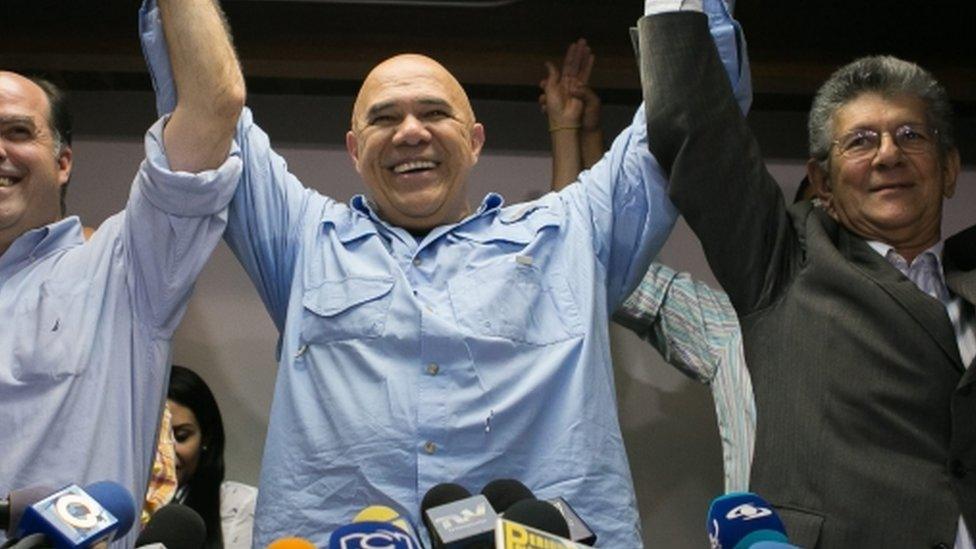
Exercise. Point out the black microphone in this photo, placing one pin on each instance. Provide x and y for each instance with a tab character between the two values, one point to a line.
12	507
176	527
503	493
541	515
457	520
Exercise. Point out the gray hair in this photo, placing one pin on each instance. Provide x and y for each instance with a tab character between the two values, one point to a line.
884	75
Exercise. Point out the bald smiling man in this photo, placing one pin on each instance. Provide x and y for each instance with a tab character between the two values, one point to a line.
425	340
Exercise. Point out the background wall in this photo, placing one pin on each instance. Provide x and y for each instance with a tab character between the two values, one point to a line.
668	420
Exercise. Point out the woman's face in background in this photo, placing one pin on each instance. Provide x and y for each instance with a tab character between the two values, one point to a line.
189	440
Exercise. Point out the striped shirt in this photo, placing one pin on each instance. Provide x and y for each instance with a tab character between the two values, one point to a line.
696	330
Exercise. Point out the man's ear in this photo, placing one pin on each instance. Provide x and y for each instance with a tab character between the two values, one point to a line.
64	160
950	171
819	180
352	147
477	139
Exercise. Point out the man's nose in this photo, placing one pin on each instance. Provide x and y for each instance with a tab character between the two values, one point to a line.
889	153
411	131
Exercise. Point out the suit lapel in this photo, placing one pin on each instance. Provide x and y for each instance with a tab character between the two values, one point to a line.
927	311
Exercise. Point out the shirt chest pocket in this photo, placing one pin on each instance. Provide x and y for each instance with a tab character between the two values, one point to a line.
350	308
52	337
517	302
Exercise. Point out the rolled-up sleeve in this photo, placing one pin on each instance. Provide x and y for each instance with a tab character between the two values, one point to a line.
172	222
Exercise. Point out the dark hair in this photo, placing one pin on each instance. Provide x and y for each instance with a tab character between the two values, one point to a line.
887	76
188	389
59	121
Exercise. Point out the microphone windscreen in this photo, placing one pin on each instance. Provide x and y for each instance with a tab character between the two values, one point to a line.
738	520
504	492
538	514
175	526
444	493
116	500
22	499
291	543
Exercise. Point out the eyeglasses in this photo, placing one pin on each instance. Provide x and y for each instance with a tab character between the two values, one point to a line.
864	143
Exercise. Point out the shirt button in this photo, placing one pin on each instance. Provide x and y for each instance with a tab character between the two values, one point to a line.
416	262
433	368
958	469
430	447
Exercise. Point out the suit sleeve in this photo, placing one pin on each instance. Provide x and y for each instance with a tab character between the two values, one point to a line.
624	196
717	178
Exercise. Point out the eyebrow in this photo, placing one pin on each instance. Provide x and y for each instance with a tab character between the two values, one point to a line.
426	101
15	119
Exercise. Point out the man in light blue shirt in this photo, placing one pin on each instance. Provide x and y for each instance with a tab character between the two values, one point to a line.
85	348
425	341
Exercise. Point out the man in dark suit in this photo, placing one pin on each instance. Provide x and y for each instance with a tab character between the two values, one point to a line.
866	433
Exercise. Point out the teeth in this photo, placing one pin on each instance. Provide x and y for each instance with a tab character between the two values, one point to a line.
415	165
6	182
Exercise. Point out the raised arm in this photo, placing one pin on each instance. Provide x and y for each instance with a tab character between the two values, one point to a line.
564	114
717	178
209	85
573	113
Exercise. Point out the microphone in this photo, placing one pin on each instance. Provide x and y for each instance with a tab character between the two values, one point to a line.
540	515
291	543
503	493
513	535
116	500
741	520
74	518
12	507
456	519
176	527
579	531
371	535
382	513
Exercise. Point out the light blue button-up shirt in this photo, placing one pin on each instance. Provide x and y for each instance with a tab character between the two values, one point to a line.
85	346
479	352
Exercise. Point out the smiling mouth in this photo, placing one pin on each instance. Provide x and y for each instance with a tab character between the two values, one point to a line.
414	166
8	181
891	187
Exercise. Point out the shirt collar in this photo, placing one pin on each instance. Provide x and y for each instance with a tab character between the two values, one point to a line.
935	250
39	242
492	202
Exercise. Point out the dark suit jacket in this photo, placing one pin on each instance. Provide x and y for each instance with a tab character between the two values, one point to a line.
866	417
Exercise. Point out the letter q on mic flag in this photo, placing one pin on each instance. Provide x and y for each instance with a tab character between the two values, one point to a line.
740	519
371	535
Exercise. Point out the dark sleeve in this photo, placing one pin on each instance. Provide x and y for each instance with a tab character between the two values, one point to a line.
717	178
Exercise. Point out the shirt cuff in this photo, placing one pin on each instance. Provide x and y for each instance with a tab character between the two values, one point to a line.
182	193
652	7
